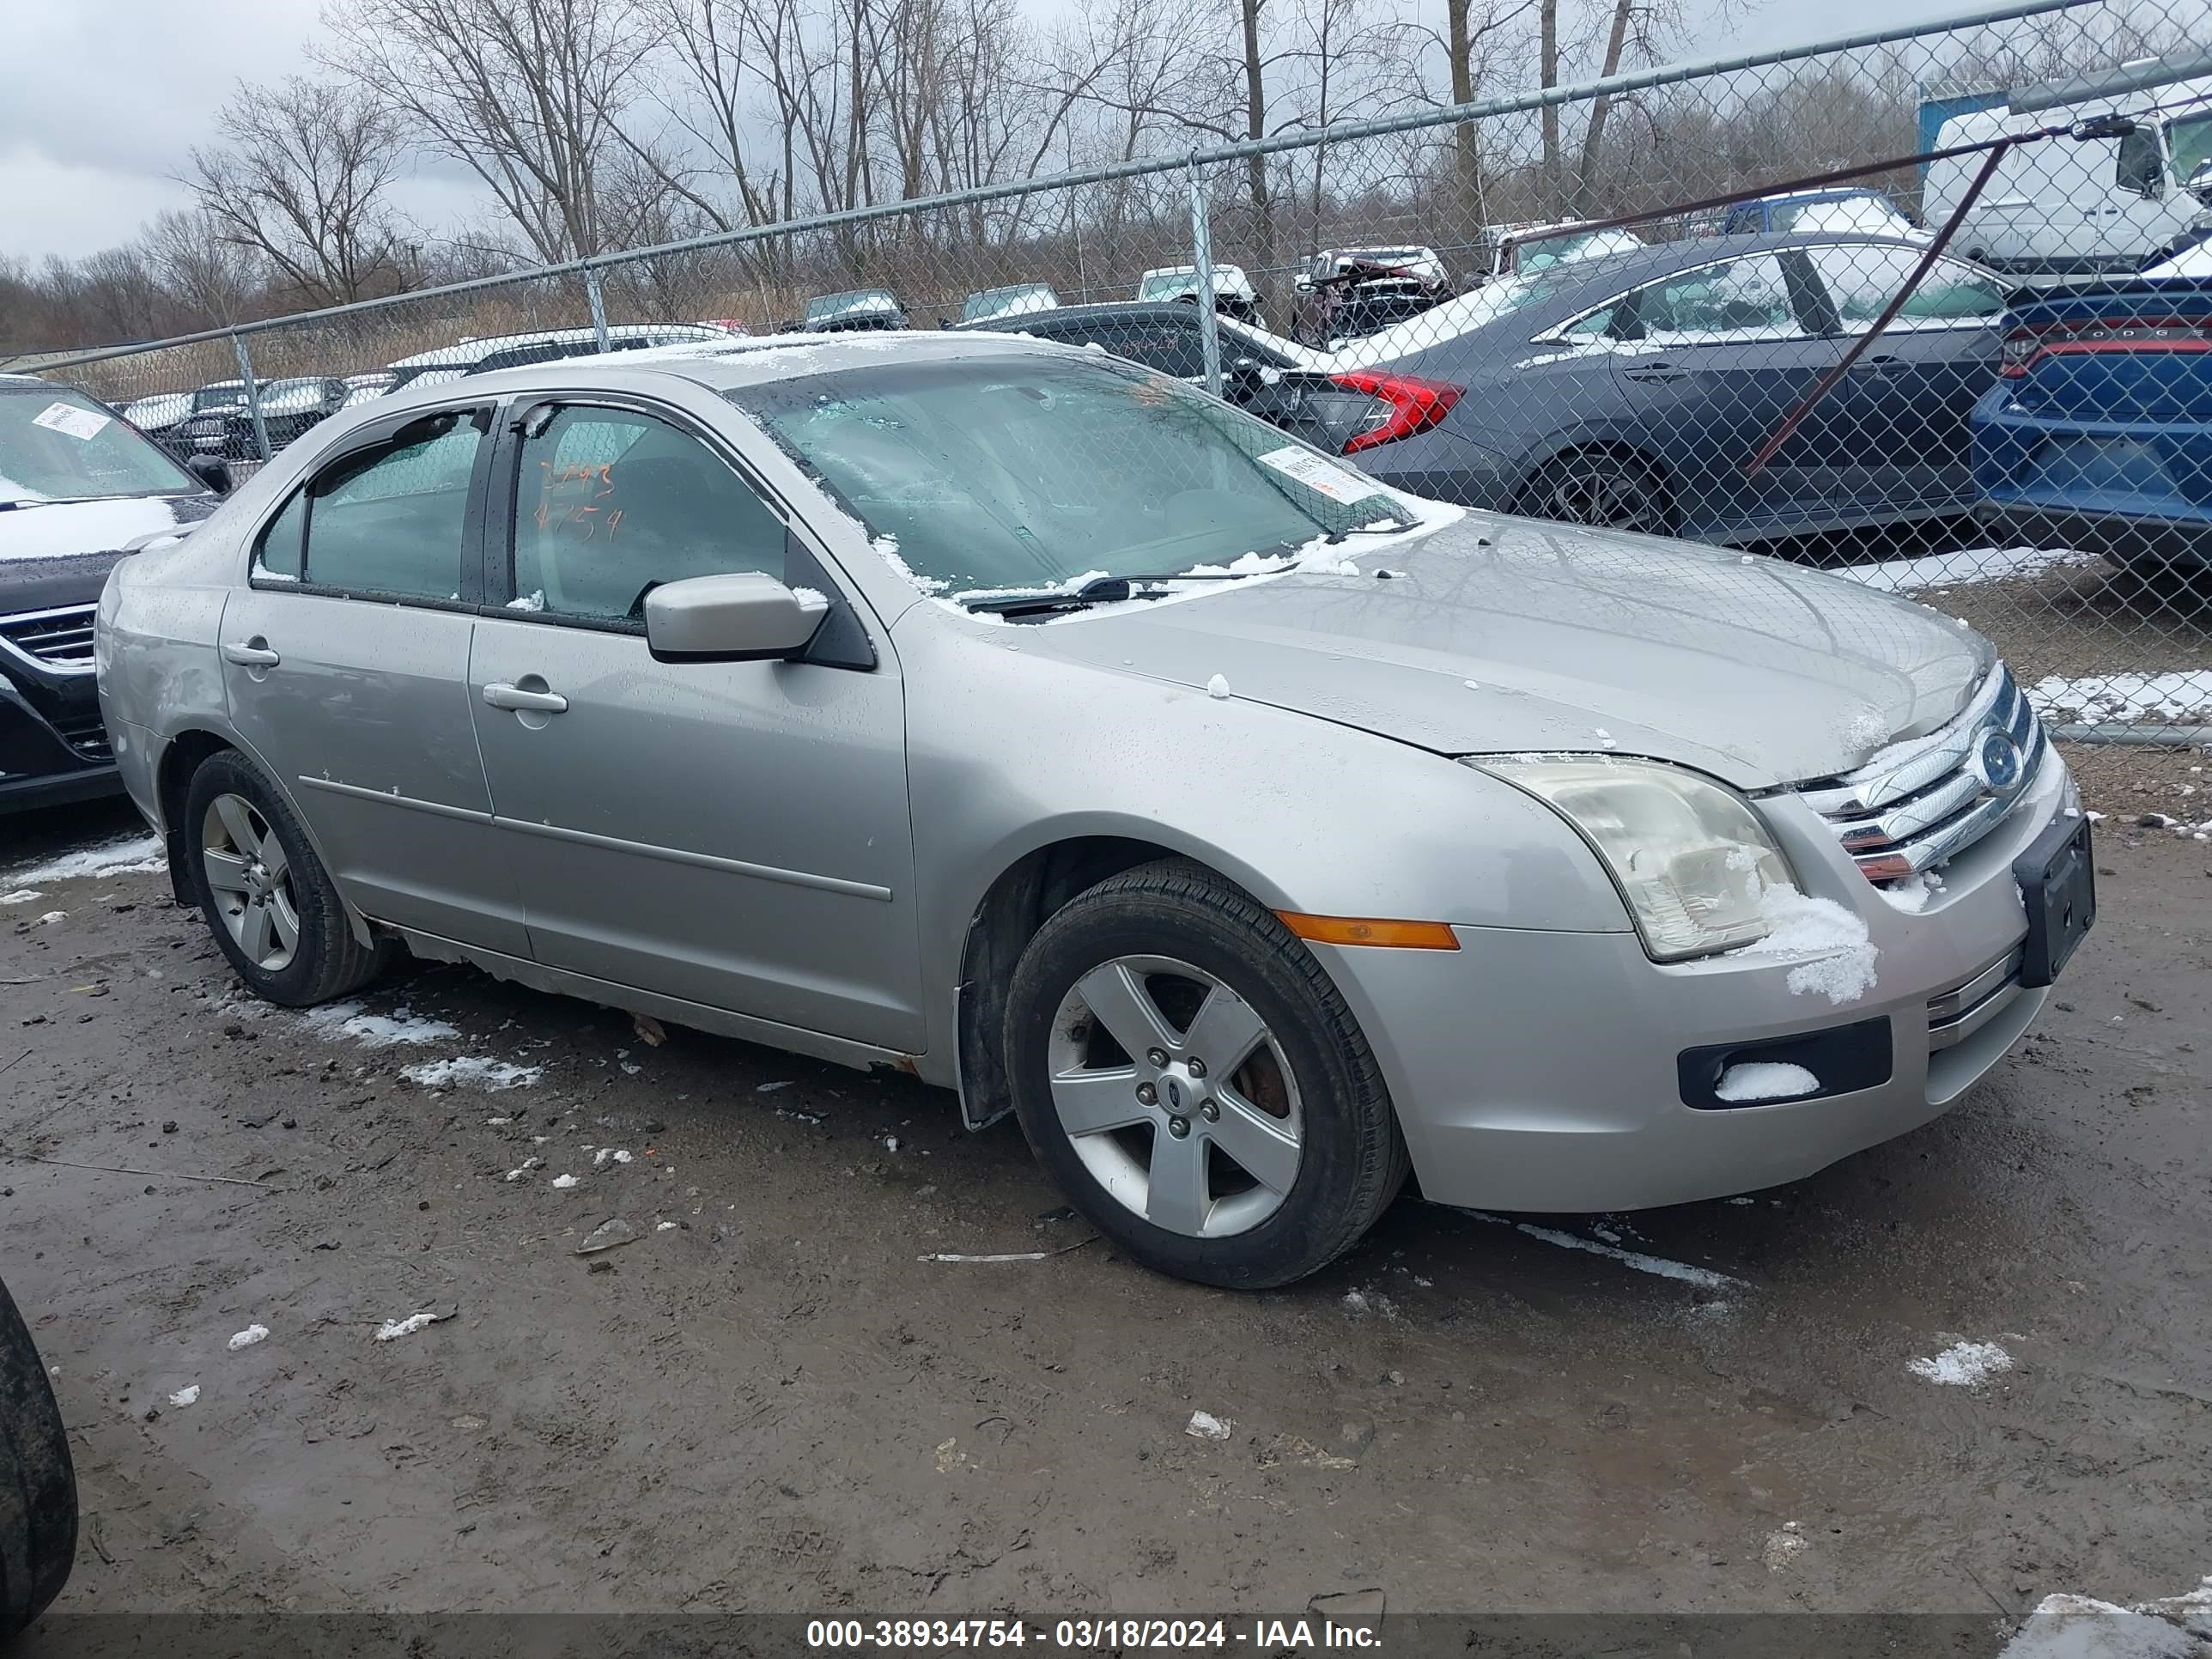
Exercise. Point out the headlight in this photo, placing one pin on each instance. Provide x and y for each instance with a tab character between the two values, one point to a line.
1691	859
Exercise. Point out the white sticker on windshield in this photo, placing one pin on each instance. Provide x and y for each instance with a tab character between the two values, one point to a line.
1310	470
70	421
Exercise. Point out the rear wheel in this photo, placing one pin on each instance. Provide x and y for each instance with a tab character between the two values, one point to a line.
38	1483
1598	487
273	908
1189	1075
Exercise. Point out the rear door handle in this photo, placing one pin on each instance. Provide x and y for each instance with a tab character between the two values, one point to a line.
499	695
1656	372
250	654
1884	366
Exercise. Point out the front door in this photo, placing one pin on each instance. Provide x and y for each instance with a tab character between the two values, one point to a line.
731	834
345	665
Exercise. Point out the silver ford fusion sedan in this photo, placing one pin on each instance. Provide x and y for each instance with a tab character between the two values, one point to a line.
1019	718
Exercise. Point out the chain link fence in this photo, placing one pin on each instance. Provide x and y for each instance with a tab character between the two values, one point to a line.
1915	306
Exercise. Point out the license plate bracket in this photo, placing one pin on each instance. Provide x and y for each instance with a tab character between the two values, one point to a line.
2057	878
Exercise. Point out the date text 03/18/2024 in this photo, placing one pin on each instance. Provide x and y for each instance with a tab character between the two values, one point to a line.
1089	1635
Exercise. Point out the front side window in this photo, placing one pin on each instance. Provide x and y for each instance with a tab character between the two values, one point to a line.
57	445
609	504
1862	278
1743	301
387	521
2140	164
1016	473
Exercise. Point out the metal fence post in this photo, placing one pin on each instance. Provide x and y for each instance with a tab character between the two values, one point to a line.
252	393
1201	246
598	305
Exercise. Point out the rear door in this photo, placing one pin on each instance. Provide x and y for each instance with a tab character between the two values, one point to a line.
345	667
1713	360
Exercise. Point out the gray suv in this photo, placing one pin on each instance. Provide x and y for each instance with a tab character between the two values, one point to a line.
1020	718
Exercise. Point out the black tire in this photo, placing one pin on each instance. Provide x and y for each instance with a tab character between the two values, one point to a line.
1352	1161
1601	487
38	1483
328	960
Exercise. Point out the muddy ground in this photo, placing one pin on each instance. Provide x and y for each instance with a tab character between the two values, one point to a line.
774	1404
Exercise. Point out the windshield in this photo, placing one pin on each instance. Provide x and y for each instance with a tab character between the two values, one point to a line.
221	396
1008	301
1034	472
57	446
2189	139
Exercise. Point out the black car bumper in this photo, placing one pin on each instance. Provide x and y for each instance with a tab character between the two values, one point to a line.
2141	543
54	752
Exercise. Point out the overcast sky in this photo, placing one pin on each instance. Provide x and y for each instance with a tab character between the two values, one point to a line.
100	99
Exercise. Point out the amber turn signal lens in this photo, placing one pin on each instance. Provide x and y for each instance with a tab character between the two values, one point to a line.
1371	930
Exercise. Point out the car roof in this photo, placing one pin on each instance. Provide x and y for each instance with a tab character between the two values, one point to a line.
466	351
1631	266
1125	311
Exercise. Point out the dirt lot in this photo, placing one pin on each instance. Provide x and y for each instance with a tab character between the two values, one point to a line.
768	1400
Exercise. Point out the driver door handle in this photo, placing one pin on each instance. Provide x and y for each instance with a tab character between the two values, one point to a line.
250	655
499	695
1661	371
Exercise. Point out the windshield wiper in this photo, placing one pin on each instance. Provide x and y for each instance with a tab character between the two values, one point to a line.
1099	589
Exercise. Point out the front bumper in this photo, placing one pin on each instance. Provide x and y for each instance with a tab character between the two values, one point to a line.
52	755
1537	1070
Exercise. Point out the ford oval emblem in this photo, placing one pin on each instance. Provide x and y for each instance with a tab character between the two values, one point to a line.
1997	763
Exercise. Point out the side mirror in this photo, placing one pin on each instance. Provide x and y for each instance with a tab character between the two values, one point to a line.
212	471
746	617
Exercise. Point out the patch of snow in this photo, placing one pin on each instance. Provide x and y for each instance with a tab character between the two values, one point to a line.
407	1327
2182	697
1965	569
475	1072
1360	1304
564	1181
20	896
185	1395
665	1227
1205	1425
1217	688
1707	1278
811	595
248	1337
349	1020
1963	1363
128	855
1913	894
528	1164
52	917
1766	1079
606	1152
1839	959
533	600
770	1088
1783	1546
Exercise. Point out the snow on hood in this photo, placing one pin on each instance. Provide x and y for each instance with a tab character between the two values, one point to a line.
1496	635
61	529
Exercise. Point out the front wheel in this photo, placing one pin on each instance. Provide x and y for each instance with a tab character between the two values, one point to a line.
273	908
1187	1072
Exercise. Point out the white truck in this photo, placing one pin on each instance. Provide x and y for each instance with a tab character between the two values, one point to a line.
2068	210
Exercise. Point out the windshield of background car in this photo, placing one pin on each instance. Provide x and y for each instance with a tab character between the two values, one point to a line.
1021	472
56	446
866	300
219	397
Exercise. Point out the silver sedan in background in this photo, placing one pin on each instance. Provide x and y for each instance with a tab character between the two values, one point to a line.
1024	720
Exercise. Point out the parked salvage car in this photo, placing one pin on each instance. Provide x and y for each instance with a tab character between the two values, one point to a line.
160	414
37	1480
287	408
1023	703
78	488
986	304
1636	391
1233	293
444	364
1346	412
2098	434
1348	293
859	309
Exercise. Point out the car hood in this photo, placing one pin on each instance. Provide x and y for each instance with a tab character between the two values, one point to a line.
1496	635
60	553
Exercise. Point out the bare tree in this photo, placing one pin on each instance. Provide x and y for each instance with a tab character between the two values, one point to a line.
528	94
205	270
301	179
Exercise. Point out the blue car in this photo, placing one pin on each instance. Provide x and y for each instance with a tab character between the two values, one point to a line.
1638	390
2098	434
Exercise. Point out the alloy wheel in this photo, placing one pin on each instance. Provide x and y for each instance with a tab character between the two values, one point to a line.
1176	1096
250	877
1599	490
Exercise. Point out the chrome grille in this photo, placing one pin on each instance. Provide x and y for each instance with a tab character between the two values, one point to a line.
1959	1013
59	639
1922	801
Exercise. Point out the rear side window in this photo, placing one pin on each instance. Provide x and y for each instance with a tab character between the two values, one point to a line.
1172	347
390	521
1862	279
